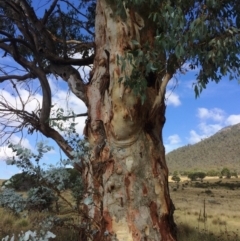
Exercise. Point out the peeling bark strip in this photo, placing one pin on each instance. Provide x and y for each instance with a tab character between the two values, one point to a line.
127	175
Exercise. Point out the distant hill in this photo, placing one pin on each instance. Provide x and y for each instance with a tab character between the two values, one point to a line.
213	153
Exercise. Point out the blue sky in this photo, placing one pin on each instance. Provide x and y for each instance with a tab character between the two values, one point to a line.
188	120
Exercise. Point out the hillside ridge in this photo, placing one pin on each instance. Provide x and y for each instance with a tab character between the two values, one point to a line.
213	153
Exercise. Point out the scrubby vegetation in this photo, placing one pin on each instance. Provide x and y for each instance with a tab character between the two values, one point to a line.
53	199
210	155
207	210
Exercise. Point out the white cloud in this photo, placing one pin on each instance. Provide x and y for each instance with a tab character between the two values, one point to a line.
6	152
23	141
27	101
194	137
173	142
214	114
172	98
233	119
174	139
205	128
209	129
62	99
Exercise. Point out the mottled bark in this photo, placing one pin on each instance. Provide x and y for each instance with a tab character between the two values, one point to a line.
127	174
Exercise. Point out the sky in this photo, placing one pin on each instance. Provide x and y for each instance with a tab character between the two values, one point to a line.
188	120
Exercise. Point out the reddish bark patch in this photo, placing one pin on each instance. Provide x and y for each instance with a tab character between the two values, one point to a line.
105	153
154	214
108	221
127	185
155	167
136	233
166	227
109	169
144	190
98	110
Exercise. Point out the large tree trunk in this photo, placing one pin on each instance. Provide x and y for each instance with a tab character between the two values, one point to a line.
127	174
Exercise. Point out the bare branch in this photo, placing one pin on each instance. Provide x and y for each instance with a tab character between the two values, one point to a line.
69	117
67	2
16	40
161	93
80	62
49	12
17	77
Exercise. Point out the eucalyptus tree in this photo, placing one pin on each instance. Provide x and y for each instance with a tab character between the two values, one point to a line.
135	47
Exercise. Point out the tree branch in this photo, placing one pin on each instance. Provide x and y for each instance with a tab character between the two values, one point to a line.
49	12
17	77
58	60
161	93
69	117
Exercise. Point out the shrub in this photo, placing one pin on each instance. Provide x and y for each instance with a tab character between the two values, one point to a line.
213	173
226	172
11	200
22	223
234	174
21	182
196	175
40	198
176	177
77	191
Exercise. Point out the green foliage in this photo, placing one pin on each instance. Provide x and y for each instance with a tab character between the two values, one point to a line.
196	175
73	177
205	35
201	175
175	177
234	174
226	172
40	198
11	200
21	182
212	173
65	23
63	179
77	191
137	80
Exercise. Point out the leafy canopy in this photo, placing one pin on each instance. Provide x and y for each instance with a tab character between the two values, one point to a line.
202	34
45	36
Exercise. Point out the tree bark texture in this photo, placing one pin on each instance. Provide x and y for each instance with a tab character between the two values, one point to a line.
127	173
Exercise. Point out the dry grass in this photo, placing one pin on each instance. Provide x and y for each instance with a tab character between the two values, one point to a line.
11	224
221	222
222	212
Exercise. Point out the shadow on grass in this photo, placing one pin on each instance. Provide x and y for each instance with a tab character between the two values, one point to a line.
187	233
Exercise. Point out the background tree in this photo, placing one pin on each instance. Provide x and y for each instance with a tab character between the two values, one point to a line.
234	174
193	176
201	175
226	172
135	48
175	177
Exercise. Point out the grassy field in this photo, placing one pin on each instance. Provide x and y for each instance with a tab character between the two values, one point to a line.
205	211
